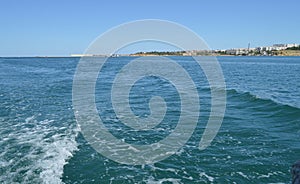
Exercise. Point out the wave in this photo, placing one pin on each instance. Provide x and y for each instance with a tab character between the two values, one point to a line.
261	103
233	94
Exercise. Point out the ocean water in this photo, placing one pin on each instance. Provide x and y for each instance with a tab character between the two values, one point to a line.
258	142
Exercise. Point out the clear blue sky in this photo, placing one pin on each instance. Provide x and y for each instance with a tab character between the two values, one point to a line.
62	27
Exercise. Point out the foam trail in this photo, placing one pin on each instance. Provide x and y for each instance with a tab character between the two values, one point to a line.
38	151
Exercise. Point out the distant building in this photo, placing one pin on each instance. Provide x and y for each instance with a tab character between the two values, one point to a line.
279	45
265	50
292	45
275	47
237	51
285	46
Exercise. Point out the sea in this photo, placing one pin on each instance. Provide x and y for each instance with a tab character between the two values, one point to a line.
258	142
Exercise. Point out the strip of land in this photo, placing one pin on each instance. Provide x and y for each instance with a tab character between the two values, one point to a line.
275	50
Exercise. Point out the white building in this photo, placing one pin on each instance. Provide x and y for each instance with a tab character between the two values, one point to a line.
237	51
286	45
292	45
261	50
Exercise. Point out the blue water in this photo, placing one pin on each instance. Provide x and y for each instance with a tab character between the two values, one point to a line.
257	143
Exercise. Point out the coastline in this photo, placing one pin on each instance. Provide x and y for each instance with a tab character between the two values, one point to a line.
151	56
283	53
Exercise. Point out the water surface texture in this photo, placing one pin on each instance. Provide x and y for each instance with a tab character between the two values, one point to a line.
257	143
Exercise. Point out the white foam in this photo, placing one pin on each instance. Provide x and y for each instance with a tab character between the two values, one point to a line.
54	159
242	174
151	180
49	148
201	174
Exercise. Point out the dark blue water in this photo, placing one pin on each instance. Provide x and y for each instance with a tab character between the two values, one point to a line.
257	143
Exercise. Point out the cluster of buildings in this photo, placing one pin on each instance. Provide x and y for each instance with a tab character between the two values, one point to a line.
197	52
267	50
259	50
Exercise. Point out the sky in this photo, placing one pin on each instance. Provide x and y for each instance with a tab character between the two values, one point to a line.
64	27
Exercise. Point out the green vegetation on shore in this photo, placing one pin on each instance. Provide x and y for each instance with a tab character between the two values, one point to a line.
293	48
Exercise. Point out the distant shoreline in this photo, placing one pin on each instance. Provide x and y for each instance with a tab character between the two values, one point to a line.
148	56
279	50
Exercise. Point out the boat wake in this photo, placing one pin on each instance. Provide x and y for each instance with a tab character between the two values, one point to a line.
35	151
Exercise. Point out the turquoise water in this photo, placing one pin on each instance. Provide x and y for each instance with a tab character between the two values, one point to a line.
257	143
